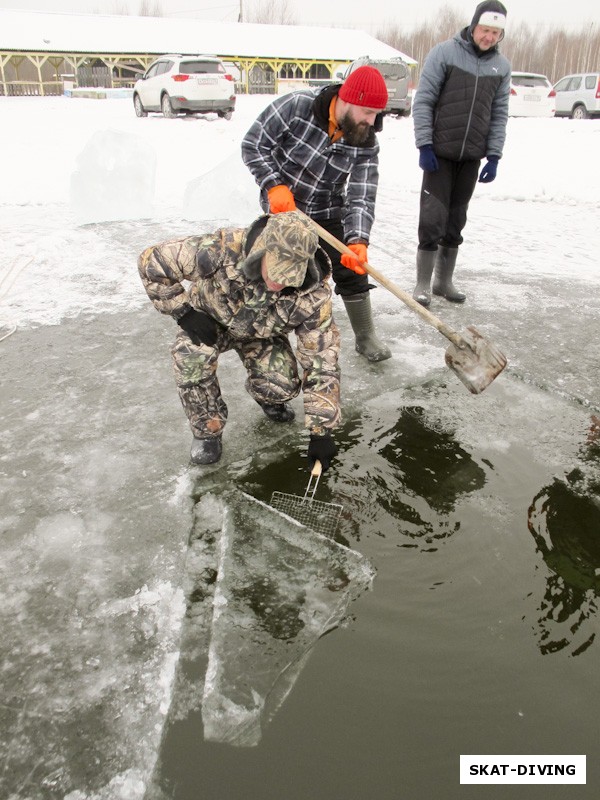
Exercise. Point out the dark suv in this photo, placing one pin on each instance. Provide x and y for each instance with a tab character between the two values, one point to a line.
396	74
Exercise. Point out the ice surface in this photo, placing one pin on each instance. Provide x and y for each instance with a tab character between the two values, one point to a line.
237	206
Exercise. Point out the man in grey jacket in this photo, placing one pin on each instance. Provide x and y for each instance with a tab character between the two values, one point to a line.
460	114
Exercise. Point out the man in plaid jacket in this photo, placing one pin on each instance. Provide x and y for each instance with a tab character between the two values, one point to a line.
316	150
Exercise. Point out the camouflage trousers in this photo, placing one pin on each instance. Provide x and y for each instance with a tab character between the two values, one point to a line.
272	377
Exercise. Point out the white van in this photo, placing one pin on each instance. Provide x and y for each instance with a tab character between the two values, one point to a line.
578	96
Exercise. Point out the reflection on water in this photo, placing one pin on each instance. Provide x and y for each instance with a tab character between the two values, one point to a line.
405	479
429	461
400	481
564	519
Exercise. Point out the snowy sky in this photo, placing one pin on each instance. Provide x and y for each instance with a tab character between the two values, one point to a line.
343	13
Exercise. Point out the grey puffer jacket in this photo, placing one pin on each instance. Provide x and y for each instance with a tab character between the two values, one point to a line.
461	105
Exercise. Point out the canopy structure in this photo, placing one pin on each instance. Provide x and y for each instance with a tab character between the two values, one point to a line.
39	51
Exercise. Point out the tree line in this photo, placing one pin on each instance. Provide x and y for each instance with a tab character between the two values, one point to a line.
549	51
552	52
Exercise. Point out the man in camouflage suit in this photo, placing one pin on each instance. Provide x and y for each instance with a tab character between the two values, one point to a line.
249	289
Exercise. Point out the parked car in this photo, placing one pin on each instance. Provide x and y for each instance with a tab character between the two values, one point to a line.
531	95
578	96
189	84
396	74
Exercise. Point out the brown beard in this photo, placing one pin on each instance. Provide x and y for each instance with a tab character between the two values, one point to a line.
355	134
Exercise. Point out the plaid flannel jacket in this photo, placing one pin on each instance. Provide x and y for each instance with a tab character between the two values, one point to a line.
289	144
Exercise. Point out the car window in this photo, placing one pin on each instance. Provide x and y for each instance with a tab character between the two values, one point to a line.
164	66
590	81
200	67
152	71
391	72
575	83
561	86
530	80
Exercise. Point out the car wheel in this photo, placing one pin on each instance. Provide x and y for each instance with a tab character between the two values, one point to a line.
166	107
579	112
139	108
226	114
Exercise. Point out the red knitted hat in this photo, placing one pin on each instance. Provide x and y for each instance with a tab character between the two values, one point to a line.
365	87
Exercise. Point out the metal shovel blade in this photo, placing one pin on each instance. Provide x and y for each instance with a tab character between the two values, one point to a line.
476	363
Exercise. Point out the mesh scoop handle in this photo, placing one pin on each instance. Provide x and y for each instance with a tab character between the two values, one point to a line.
315	474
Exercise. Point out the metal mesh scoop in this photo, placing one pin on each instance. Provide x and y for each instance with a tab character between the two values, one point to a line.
315	514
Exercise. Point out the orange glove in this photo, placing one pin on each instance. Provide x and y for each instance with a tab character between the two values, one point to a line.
281	199
356	261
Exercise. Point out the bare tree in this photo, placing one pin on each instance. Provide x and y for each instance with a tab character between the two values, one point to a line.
119	8
270	12
150	9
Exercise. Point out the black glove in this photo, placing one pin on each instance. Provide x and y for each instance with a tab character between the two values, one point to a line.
201	328
323	449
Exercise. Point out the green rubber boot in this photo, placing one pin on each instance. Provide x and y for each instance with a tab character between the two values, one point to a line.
368	345
444	269
425	264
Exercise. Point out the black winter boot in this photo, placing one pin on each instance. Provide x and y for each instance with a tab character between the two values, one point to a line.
278	412
368	345
444	269
425	264
206	451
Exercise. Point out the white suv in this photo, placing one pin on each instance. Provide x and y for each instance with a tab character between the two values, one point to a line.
578	96
175	83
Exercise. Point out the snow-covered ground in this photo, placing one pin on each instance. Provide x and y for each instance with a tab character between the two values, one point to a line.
96	497
73	161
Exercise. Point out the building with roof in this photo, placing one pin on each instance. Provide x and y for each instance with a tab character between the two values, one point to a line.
40	51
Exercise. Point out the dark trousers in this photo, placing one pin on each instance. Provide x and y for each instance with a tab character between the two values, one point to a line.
346	281
445	196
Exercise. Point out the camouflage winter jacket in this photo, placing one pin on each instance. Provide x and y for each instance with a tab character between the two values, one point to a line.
213	267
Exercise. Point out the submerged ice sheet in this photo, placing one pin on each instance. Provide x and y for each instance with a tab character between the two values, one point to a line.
262	589
280	587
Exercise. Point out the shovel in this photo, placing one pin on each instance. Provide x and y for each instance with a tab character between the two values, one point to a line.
474	359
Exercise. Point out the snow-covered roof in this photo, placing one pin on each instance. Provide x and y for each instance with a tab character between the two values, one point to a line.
35	31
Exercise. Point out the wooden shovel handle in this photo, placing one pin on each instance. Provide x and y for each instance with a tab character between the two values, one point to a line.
406	298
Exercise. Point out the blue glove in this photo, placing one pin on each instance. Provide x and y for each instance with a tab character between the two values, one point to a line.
427	158
488	173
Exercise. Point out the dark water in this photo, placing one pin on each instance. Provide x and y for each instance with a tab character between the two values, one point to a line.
477	637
